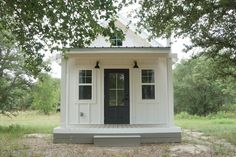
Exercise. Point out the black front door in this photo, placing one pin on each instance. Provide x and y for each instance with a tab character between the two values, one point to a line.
116	100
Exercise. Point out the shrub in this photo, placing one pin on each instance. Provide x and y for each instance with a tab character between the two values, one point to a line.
46	94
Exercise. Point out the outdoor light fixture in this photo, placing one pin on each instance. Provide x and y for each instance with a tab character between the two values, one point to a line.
97	65
135	64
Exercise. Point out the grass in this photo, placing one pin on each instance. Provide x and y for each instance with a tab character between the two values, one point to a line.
12	129
219	126
26	123
31	120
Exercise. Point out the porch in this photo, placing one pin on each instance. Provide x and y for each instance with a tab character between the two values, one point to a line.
117	134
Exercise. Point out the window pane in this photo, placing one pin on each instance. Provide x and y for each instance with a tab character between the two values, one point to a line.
81	79
88	79
116	40
148	91
119	42
88	73
85	76
114	37
148	76
82	73
82	76
113	42
85	92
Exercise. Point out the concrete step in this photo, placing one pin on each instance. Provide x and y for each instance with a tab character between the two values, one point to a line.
116	140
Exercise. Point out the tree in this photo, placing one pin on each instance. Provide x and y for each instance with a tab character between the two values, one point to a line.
15	80
210	24
56	25
198	90
46	93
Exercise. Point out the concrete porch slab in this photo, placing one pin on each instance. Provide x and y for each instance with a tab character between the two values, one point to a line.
99	135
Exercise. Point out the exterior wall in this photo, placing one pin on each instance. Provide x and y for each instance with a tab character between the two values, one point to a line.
141	112
151	111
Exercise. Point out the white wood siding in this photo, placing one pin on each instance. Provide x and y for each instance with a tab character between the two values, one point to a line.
141	111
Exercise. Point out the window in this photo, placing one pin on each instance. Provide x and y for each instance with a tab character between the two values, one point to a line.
85	84
148	84
116	41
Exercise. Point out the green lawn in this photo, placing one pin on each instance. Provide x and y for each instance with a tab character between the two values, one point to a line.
218	126
26	122
30	121
13	128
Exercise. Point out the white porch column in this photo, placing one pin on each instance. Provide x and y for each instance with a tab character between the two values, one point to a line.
63	108
170	89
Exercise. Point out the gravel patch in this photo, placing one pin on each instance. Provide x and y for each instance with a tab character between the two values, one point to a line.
194	144
189	149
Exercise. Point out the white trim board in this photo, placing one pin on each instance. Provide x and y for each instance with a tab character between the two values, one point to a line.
107	50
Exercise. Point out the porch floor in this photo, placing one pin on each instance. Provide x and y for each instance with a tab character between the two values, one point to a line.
105	126
118	128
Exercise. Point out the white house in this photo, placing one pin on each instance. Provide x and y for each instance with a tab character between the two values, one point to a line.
117	93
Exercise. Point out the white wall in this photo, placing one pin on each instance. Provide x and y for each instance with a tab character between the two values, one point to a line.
141	112
151	111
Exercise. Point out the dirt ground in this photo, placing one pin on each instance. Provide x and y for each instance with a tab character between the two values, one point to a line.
194	144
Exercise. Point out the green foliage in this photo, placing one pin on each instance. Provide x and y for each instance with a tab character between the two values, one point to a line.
229	108
46	94
221	114
15	80
198	90
210	25
185	115
56	25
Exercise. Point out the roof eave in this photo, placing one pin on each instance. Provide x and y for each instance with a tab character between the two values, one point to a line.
90	50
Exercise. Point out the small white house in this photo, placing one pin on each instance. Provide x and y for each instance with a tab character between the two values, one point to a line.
118	93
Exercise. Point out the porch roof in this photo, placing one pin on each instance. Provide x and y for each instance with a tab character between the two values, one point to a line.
124	50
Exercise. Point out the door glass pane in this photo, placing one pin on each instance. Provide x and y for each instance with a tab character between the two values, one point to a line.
112	81
120	98
112	97
120	80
